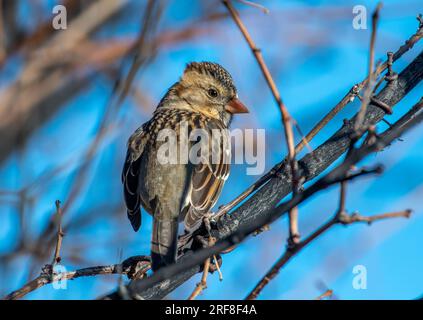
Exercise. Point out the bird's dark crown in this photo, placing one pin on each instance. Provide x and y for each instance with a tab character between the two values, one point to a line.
215	70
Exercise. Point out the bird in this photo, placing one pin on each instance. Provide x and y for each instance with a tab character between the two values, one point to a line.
205	97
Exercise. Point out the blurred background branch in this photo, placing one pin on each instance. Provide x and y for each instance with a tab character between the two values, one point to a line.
70	98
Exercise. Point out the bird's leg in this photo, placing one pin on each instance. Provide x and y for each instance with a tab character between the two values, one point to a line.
215	264
136	267
207	264
185	242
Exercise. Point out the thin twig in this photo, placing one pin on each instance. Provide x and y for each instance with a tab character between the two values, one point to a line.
355	217
139	263
341	216
268	77
60	234
203	283
355	90
286	117
349	97
337	219
342	197
254	187
371	73
219	272
292	250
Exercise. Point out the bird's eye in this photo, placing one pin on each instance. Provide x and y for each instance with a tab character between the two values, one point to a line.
212	93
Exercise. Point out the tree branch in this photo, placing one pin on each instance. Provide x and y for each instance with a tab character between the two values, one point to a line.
167	279
340	217
286	117
259	209
348	98
131	267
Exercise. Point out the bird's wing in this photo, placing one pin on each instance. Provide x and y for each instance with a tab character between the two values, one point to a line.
207	181
130	176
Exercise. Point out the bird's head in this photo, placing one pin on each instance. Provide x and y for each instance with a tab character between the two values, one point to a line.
208	88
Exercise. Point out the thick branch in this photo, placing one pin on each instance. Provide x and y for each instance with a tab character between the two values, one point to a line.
166	279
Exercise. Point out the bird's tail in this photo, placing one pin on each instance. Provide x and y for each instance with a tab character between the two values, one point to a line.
164	243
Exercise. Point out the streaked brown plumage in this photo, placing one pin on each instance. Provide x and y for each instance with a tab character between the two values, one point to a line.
204	98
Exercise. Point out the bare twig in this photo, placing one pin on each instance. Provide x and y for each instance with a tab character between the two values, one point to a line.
286	117
130	267
371	73
293	250
254	187
60	234
203	283
355	217
342	218
349	97
355	90
268	77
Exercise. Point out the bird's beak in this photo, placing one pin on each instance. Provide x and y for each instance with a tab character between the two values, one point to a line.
236	106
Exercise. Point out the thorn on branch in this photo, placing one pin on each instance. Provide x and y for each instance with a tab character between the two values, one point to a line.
391	75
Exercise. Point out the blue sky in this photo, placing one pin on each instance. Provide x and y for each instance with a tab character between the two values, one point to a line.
315	56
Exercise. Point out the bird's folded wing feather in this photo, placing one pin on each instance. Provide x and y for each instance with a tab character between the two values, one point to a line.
207	181
130	177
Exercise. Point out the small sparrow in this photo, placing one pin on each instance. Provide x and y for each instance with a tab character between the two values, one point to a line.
204	98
